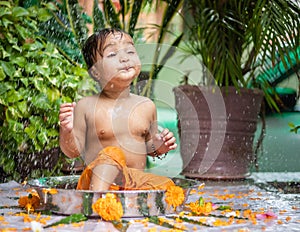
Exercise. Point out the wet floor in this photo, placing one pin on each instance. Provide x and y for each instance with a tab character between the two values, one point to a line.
276	185
254	206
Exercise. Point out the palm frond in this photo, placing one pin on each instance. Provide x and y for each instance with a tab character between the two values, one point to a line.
77	24
111	15
98	18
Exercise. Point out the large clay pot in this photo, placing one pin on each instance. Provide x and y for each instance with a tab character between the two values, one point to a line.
216	129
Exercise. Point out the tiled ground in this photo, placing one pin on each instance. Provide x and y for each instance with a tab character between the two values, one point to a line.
244	197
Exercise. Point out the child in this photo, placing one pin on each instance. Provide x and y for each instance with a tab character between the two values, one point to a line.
114	117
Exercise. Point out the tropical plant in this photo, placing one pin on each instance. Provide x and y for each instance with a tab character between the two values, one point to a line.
236	39
234	42
35	80
67	27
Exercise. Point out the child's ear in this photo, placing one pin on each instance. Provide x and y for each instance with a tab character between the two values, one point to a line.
94	73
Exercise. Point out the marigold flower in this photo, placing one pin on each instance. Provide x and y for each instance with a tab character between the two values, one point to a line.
108	208
220	222
52	191
30	202
174	196
201	207
288	218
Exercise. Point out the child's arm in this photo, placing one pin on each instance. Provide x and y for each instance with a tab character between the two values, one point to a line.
159	143
68	142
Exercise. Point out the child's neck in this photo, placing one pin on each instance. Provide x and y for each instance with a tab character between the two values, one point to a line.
113	95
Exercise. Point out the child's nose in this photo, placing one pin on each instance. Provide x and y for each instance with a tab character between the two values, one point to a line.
123	57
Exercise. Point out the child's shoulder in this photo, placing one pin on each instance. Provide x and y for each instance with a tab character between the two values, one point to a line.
141	99
88	100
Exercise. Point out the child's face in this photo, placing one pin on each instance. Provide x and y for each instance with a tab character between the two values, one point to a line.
120	63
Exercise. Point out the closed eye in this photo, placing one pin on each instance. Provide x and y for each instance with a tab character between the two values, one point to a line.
131	52
111	54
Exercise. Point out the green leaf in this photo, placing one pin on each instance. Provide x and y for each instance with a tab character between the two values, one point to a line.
25	81
23	108
22	31
14	126
19	12
77	23
43	70
121	226
98	18
52	133
8	68
68	220
155	220
143	205
4	87
9	165
185	219
51	6
11	38
14	96
38	83
33	46
30	131
201	201
78	71
292	125
41	101
42	136
6	22
2	75
17	47
20	61
5	3
136	9
44	15
224	207
53	94
5	53
111	15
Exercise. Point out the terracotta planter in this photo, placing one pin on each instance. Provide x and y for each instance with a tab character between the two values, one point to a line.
216	129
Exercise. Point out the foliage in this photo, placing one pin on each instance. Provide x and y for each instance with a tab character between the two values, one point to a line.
234	39
35	80
294	128
67	27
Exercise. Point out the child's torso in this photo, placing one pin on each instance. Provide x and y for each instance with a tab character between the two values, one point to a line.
124	124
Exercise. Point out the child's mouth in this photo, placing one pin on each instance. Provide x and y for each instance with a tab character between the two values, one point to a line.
126	69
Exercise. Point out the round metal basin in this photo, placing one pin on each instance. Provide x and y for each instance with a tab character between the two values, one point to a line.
66	200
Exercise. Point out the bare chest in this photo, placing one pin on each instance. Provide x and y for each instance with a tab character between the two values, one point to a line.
117	123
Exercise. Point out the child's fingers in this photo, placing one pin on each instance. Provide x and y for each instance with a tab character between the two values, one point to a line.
65	115
170	141
168	136
65	107
173	146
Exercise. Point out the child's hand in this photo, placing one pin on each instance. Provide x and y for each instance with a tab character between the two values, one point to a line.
165	141
66	113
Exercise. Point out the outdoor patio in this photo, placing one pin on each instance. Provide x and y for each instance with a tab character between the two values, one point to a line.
268	200
255	206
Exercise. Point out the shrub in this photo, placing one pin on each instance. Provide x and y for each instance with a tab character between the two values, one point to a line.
34	80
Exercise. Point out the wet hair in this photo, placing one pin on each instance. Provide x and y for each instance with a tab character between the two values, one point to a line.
95	44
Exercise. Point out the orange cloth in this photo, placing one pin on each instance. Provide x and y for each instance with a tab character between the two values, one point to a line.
132	178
